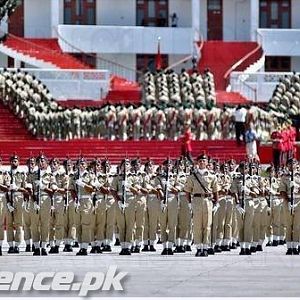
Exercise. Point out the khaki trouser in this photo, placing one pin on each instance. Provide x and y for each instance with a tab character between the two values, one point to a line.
140	211
225	216
27	211
202	220
2	215
256	219
111	207
184	217
236	222
15	219
276	205
246	222
85	212
168	220
151	217
40	220
98	219
57	218
69	222
292	221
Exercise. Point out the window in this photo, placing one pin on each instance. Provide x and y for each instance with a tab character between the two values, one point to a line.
278	64
80	12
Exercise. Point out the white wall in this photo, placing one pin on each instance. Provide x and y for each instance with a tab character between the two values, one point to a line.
175	58
183	10
295	63
203	18
37	18
295	14
116	12
236	20
3	60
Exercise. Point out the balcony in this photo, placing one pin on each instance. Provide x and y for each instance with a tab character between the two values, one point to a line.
280	42
125	39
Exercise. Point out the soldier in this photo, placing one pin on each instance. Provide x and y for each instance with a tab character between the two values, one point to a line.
168	188
289	191
15	200
122	119
202	194
153	208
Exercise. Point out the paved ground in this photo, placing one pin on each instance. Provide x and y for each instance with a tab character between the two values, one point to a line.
266	274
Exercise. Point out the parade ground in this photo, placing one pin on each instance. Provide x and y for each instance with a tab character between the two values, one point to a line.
266	274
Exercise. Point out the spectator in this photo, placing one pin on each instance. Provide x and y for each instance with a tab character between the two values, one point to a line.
251	145
174	20
186	146
240	119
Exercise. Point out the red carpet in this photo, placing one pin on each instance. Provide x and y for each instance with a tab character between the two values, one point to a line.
230	98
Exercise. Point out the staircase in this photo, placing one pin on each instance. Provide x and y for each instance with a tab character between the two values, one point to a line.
40	52
11	128
232	98
220	56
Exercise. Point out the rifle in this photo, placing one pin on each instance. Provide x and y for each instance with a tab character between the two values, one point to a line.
77	187
124	193
166	187
38	196
10	198
292	190
270	194
243	191
66	198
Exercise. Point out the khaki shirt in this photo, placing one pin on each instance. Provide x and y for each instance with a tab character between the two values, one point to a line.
285	184
117	184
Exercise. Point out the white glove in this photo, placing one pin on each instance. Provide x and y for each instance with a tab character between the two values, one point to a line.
246	190
10	208
97	184
77	205
122	205
240	209
52	208
36	206
163	206
215	207
291	207
190	207
54	187
13	187
292	184
125	184
39	184
80	183
28	186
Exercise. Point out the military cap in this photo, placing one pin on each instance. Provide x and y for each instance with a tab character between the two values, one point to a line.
54	160
14	156
202	156
105	162
291	161
30	160
81	160
42	157
67	161
168	161
135	162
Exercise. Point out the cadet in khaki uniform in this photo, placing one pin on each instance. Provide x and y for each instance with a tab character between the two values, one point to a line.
153	208
40	216
168	188
124	191
202	193
290	192
85	206
4	185
58	187
14	217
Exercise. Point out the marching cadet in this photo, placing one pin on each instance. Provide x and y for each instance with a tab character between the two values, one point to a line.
124	191
58	186
40	215
4	187
15	201
28	203
69	210
84	205
289	191
168	188
153	208
202	194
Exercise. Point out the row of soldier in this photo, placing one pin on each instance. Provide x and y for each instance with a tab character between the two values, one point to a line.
216	206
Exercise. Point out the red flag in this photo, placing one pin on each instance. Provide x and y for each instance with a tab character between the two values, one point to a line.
158	58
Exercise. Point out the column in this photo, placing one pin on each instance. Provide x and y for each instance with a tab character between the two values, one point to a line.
196	19
54	17
254	19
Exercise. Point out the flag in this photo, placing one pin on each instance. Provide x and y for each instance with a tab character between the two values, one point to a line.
158	58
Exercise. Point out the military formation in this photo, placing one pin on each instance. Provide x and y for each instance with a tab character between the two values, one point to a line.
213	206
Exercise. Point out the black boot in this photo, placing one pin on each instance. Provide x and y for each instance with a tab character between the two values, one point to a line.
98	249
16	250
164	252
198	253
117	243
281	242
187	248
233	246
289	251
76	245
217	249
152	249
68	248
259	248
44	252
170	251
242	252
247	251
179	249
145	248
210	251
137	249
93	250
28	248
275	243
204	253
295	251
269	244
225	248
82	251
253	249
125	251
0	251
37	252
159	241
52	250
11	250
32	248
106	248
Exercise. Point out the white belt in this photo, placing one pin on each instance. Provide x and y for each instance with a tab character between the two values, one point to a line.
127	194
85	197
181	194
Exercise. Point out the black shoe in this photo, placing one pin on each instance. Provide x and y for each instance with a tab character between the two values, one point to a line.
248	251
0	251
44	252
106	248
289	251
238	244
179	249
28	248
242	252
274	244
204	253
187	248
281	242
252	249
233	246
37	252
32	248
137	249
152	249
198	253
295	251
164	252
269	244
117	243
53	250
225	248
48	245
16	250
217	249
146	248
259	248
170	251
210	251
76	245
82	251
11	250
132	249
93	250
68	248
159	241
98	249
125	251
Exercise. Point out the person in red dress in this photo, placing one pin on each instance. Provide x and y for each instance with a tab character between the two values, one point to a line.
186	146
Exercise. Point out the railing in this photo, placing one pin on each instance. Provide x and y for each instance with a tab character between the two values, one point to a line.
103	63
73	84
